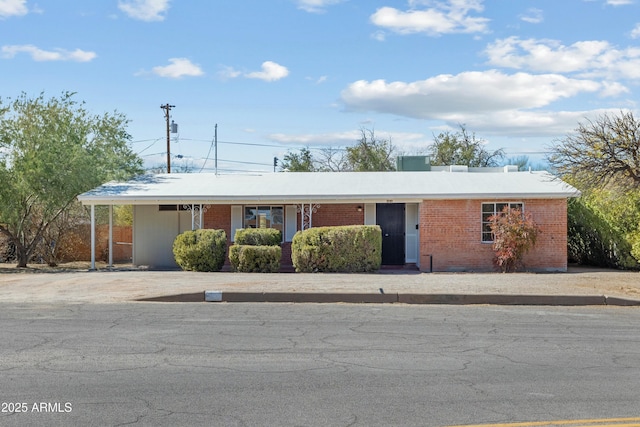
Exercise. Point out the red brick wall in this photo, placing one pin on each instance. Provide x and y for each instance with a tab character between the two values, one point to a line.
450	232
344	214
219	217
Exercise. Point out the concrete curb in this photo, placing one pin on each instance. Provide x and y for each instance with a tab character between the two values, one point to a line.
373	298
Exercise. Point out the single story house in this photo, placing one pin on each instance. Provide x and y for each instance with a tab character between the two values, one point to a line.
437	219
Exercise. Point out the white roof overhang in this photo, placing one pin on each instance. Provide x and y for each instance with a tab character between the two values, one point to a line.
327	187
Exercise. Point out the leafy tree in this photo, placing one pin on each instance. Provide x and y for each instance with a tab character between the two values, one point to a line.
602	158
59	239
604	228
371	154
514	233
524	163
593	240
332	159
462	148
601	151
53	150
298	162
123	215
184	166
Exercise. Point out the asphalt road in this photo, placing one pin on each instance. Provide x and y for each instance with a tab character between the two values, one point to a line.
191	364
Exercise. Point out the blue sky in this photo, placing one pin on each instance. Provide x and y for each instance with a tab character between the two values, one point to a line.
278	75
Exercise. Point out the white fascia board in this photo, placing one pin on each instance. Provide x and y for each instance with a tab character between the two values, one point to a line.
250	200
476	196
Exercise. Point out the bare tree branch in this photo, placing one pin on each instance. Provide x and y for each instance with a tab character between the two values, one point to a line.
601	151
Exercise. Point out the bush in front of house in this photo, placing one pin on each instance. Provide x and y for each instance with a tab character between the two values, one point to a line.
345	249
256	250
255	259
258	237
200	250
514	233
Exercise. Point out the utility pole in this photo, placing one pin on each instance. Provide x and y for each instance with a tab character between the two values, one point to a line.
167	108
215	139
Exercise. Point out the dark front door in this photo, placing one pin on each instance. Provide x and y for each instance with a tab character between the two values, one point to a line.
390	218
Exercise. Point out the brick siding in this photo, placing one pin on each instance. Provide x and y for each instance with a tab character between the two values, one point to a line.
450	233
344	214
219	217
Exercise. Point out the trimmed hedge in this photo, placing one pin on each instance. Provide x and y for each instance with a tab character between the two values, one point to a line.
256	250
200	250
258	237
255	259
346	249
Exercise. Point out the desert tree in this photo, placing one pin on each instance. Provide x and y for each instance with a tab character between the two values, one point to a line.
51	150
602	151
371	153
462	148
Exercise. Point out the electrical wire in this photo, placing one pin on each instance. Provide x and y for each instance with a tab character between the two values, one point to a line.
213	140
149	146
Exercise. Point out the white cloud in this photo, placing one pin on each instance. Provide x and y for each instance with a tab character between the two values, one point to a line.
228	73
524	123
13	8
619	2
635	33
545	55
448	17
613	89
590	58
489	100
316	6
179	67
38	54
271	71
533	16
379	35
465	92
335	139
145	10
317	80
404	140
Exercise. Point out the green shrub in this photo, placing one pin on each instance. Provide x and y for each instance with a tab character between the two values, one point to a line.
258	237
200	250
255	259
347	249
593	238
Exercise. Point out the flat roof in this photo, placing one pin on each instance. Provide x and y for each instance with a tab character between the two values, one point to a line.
328	187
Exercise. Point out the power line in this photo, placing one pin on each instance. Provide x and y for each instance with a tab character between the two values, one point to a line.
144	140
213	141
245	163
149	146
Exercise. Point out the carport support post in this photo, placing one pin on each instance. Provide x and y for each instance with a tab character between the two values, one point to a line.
110	235
93	237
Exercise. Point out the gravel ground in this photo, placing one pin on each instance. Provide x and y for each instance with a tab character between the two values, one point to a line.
75	283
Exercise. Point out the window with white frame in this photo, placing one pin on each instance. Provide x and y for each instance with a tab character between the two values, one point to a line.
490	209
264	217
